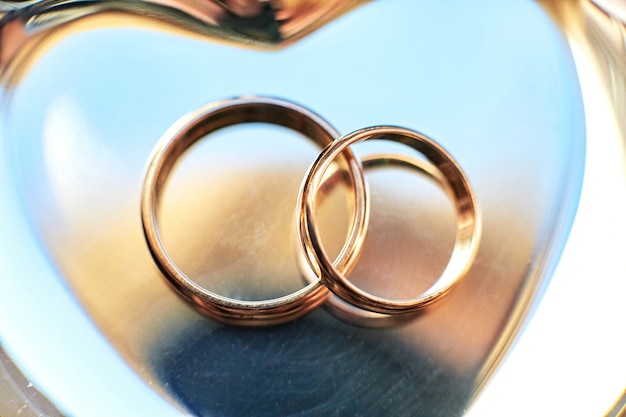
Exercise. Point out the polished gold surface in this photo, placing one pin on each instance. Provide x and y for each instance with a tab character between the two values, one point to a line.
467	233
88	88
249	23
346	311
205	121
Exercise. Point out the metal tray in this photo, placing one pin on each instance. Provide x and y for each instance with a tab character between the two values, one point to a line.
89	87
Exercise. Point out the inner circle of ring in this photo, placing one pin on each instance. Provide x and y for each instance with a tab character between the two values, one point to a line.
468	222
208	119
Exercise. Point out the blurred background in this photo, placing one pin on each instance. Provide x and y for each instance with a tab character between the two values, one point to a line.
521	71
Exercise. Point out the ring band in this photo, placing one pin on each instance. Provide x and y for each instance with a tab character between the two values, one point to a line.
195	126
468	222
342	309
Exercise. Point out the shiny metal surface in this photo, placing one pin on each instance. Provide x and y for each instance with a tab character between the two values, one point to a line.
468	223
335	305
579	351
268	309
88	89
18	396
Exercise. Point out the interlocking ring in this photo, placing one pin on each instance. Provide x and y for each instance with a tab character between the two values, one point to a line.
194	127
468	222
340	308
365	307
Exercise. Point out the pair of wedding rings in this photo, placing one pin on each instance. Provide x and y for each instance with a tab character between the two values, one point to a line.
325	276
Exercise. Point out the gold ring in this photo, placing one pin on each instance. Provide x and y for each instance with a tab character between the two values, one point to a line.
467	234
335	305
208	119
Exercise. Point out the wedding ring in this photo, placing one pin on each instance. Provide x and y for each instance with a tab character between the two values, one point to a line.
197	125
334	304
467	234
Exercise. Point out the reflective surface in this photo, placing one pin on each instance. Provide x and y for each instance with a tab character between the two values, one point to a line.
190	129
468	223
89	319
579	351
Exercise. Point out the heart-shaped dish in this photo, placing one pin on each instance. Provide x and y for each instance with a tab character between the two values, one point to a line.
89	88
